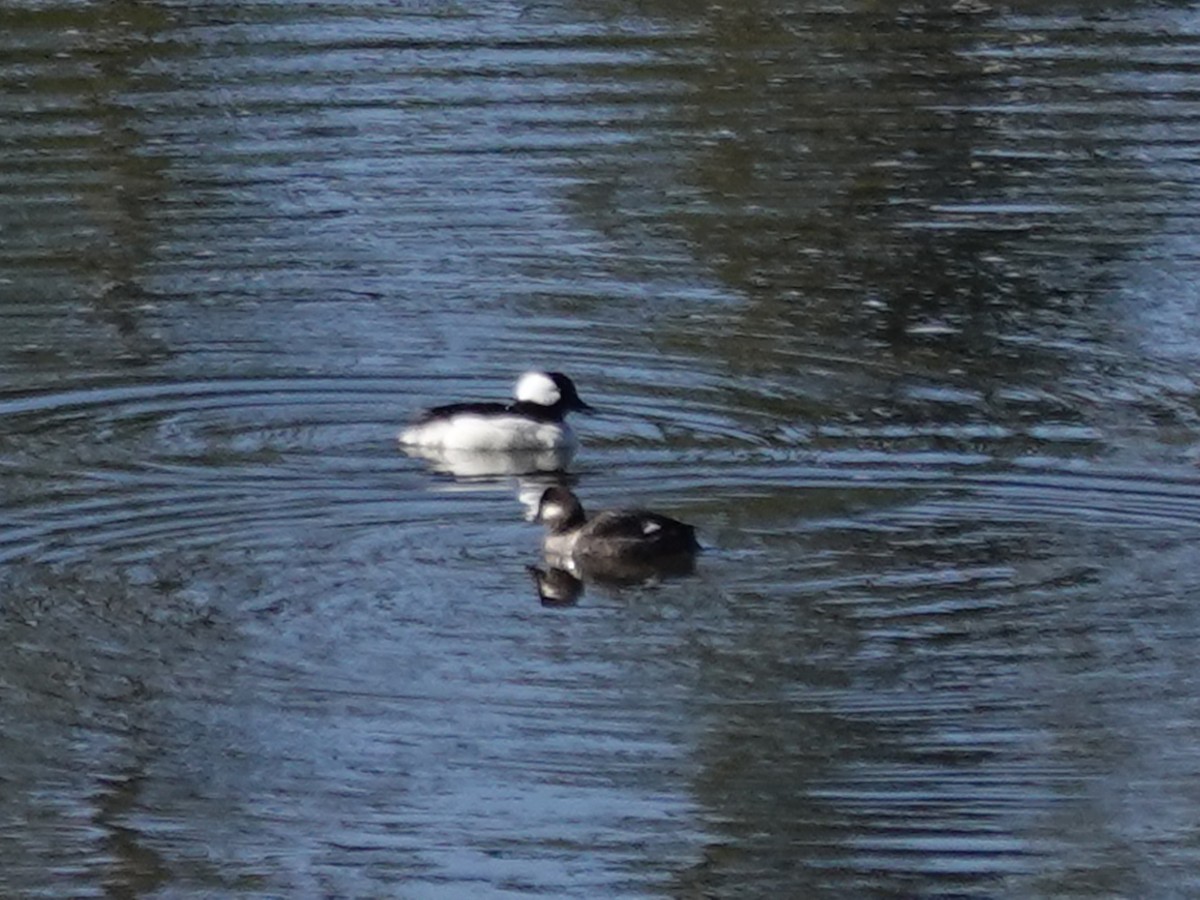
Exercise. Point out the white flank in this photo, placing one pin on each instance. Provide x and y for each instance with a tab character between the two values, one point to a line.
560	547
475	432
480	463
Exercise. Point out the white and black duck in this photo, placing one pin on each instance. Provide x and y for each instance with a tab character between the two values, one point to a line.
534	421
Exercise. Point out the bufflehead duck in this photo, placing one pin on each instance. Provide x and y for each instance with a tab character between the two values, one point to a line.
534	421
614	539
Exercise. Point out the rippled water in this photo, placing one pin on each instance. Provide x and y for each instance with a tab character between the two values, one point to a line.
896	303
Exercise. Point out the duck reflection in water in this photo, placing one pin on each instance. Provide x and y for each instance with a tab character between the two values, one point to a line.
471	470
618	547
492	463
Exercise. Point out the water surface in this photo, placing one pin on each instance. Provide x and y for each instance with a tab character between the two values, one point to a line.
895	303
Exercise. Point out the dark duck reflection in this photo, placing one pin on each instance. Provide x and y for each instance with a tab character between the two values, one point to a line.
615	547
555	587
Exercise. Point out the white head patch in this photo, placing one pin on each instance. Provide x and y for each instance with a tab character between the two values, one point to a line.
537	387
649	526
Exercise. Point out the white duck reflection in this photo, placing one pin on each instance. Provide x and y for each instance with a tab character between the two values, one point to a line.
533	471
491	463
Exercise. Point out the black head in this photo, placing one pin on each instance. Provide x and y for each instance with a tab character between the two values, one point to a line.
570	396
560	510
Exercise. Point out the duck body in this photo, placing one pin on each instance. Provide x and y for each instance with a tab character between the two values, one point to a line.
489	427
611	538
535	420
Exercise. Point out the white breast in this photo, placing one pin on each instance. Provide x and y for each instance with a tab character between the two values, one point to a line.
559	549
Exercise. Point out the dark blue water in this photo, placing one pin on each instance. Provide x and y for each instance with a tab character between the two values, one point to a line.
897	305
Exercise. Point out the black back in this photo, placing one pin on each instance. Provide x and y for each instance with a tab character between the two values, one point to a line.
638	533
525	409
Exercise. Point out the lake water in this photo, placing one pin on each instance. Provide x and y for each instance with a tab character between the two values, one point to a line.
897	303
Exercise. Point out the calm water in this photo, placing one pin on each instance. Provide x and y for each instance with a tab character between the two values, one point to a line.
898	305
